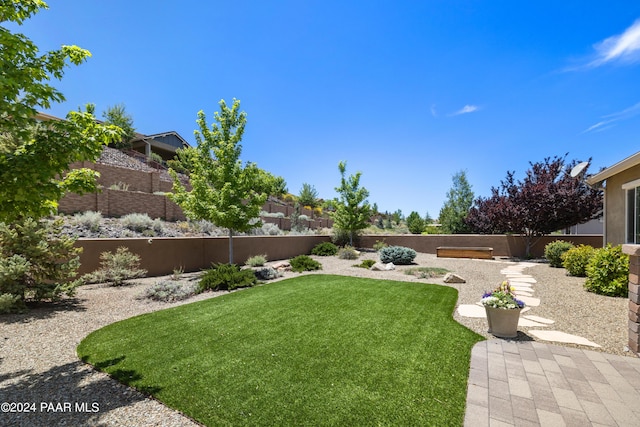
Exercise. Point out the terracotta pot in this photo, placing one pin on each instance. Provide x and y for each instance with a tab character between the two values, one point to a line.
503	322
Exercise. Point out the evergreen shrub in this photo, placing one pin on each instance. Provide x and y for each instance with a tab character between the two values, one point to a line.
399	255
226	277
324	249
608	272
553	252
304	263
575	260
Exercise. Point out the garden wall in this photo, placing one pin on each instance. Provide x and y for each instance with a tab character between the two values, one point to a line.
160	256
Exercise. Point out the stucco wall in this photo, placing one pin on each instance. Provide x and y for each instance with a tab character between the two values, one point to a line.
615	205
160	256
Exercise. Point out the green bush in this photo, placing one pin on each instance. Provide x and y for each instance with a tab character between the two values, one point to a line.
256	261
348	253
324	249
399	255
553	252
379	245
226	277
341	237
366	263
89	220
170	290
116	268
36	262
608	272
142	223
267	273
575	260
10	303
304	263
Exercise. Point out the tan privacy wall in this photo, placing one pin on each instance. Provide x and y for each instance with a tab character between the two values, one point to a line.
160	256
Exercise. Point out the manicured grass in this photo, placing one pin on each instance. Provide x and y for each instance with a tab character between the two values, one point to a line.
312	350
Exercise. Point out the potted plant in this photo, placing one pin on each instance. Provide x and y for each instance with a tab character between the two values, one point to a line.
503	311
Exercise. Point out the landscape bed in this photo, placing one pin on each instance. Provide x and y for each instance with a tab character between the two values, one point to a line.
311	350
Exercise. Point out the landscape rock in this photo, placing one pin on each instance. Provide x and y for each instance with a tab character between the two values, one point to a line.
281	266
378	266
453	278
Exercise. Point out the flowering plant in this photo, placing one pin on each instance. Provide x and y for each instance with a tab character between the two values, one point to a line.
502	297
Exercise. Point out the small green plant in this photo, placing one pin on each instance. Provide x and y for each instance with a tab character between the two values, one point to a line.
226	277
116	268
379	245
169	291
156	158
137	222
120	186
177	274
10	303
426	272
608	272
575	260
304	263
89	220
324	249
366	263
348	253
342	237
399	255
256	261
553	252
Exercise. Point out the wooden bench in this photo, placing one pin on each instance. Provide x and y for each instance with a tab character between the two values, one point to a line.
464	252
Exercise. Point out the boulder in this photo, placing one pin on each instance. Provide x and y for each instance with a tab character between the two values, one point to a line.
453	278
378	266
281	266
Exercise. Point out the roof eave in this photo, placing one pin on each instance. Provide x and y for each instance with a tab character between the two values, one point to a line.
621	166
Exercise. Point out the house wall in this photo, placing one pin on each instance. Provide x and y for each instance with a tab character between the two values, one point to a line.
615	205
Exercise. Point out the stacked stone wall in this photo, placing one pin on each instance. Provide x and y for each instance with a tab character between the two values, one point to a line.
634	296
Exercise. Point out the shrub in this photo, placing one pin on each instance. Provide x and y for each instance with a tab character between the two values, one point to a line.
608	272
36	262
304	263
116	268
120	186
10	303
256	261
267	273
426	272
168	291
366	263
89	220
554	251
226	277
341	237
399	255
324	249
348	253
137	222
575	260
379	245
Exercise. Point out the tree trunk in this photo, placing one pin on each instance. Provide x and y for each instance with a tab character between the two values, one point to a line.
230	246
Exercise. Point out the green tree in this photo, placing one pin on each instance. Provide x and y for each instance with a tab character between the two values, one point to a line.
308	196
224	191
34	156
352	211
415	223
118	116
456	207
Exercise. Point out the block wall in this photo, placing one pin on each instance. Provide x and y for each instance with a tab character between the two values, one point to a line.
634	296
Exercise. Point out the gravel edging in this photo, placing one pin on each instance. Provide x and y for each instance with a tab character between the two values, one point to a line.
38	361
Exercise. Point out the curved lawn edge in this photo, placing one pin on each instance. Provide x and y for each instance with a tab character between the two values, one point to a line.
310	350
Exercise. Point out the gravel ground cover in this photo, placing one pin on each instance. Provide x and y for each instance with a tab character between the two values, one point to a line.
39	366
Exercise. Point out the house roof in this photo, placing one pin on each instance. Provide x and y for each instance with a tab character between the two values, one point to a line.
140	136
621	166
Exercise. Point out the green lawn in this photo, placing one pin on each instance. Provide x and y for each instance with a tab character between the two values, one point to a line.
312	350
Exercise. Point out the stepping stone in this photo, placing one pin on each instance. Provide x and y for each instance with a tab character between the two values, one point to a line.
522	279
523	293
524	321
540	319
521	285
530	301
557	336
471	310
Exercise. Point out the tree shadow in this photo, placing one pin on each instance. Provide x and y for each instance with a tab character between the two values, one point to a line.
69	394
43	310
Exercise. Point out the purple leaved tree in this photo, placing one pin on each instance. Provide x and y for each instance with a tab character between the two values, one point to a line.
548	199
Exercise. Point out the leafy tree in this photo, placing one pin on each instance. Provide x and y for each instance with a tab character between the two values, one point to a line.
546	200
352	211
224	191
415	223
308	195
118	116
34	156
279	187
456	207
397	216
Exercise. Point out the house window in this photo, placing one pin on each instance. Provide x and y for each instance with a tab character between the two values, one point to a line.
633	214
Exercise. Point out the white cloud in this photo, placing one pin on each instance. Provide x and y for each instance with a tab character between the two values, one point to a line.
622	47
611	120
466	110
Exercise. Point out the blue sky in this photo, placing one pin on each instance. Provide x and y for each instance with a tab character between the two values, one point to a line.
407	92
